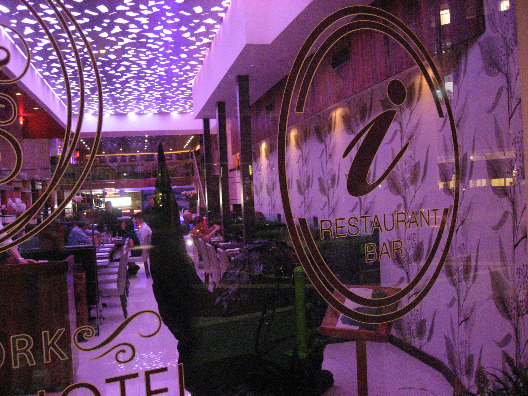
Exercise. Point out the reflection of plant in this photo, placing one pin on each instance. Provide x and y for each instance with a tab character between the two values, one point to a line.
509	282
461	265
511	381
270	187
406	179
329	179
304	182
258	186
405	182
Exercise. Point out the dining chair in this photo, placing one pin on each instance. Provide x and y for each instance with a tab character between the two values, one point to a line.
213	268
223	262
117	285
145	254
202	254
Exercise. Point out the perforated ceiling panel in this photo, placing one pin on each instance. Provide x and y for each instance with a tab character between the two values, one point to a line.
148	51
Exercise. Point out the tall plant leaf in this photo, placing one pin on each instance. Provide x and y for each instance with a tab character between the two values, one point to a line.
505	341
415	173
394	183
498	134
463	168
300	187
503	260
449	270
451	355
469	366
505	216
451	303
322	186
424	174
472	161
476	266
490	52
418	252
431	327
496	171
421	329
466	268
500	290
498	96
396	133
410	95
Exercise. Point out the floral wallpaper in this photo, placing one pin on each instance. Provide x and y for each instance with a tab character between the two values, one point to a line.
478	308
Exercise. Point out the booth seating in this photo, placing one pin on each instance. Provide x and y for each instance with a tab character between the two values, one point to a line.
37	298
85	258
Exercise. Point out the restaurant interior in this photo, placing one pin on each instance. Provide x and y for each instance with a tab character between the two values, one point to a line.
230	197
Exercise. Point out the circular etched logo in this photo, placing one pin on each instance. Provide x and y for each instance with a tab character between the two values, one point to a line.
362	152
78	47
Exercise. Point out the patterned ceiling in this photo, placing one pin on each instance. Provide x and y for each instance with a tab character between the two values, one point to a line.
148	52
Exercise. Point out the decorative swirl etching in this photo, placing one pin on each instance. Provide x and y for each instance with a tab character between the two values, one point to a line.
14	108
18	156
2	351
87	332
7	58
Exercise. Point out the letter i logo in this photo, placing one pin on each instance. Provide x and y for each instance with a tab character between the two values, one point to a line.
374	132
367	143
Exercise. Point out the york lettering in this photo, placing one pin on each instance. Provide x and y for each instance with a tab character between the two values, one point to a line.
22	346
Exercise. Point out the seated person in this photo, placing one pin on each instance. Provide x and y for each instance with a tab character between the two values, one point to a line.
187	222
144	229
13	252
200	229
77	235
127	226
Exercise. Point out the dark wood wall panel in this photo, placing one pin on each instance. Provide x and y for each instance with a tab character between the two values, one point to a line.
374	57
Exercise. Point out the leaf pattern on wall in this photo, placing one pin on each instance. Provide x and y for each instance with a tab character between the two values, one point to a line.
501	295
490	132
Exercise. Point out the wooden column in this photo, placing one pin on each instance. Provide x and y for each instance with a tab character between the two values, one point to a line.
211	184
362	376
246	158
224	166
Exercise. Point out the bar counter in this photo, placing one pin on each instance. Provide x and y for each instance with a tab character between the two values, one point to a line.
37	318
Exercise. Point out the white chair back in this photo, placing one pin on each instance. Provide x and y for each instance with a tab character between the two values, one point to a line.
223	261
122	270
202	253
147	241
213	267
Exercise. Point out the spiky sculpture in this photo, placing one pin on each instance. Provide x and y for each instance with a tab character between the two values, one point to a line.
179	292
